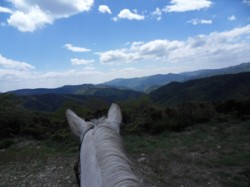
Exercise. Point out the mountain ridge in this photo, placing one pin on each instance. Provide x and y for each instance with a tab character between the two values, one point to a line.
66	89
209	89
149	83
139	84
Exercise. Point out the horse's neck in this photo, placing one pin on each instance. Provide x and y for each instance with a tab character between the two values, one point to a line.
103	162
90	170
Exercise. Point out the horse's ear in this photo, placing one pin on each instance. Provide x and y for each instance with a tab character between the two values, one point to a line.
77	124
115	116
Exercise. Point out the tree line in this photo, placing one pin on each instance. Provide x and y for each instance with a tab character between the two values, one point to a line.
140	116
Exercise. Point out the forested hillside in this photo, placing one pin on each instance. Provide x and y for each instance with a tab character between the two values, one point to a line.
217	88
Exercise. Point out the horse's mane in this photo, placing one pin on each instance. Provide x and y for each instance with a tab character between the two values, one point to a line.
116	168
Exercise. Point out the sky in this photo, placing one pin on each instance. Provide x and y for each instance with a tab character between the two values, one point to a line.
48	44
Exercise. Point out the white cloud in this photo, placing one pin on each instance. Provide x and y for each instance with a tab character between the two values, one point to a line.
89	68
200	21
75	48
118	57
157	14
104	9
30	21
231	18
213	48
28	16
5	10
12	72
247	2
127	14
155	50
187	5
12	64
77	61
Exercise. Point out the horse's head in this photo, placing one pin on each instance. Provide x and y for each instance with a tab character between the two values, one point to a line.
102	159
80	127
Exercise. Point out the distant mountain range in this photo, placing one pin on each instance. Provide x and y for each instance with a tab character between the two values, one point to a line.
149	83
84	90
52	99
210	89
143	84
203	85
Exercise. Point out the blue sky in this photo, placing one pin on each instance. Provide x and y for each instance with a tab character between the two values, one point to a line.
54	43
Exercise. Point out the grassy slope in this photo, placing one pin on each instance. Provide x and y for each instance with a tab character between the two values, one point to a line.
209	154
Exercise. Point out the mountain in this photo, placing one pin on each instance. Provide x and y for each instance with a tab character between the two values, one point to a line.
72	89
216	88
51	102
150	83
145	83
244	67
84	89
52	99
142	84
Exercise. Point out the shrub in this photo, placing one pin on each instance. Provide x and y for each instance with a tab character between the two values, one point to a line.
63	136
6	143
193	113
237	108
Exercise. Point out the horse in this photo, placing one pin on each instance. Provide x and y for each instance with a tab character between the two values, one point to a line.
103	162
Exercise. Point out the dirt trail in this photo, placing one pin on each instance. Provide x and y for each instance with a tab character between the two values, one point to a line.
56	171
